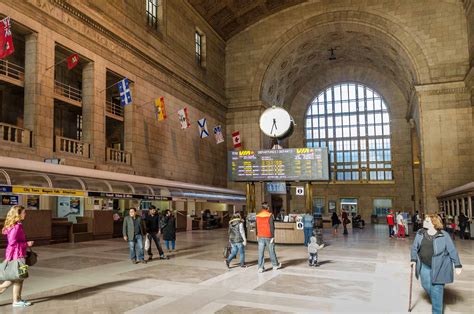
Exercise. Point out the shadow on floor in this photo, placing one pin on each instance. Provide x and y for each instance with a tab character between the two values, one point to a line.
451	296
72	295
293	262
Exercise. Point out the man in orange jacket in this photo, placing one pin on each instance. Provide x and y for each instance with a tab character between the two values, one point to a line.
265	229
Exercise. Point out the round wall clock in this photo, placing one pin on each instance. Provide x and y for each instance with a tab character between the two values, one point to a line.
276	122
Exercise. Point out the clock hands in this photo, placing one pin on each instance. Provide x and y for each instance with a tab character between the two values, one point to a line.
274	126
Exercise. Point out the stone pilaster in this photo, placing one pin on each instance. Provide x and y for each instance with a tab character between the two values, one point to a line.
446	126
93	110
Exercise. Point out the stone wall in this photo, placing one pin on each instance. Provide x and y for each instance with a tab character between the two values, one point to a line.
393	46
114	36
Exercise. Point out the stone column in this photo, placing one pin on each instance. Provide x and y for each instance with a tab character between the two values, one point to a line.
446	129
93	109
39	91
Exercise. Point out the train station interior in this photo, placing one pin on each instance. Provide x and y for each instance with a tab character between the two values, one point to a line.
349	113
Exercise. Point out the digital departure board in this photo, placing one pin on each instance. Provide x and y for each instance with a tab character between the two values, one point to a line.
293	164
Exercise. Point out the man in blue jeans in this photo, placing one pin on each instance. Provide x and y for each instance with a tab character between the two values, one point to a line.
134	231
237	239
308	222
265	229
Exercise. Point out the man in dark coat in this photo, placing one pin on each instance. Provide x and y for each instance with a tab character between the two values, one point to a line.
153	228
168	229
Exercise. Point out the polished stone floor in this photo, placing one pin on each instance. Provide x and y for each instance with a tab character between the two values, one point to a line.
364	272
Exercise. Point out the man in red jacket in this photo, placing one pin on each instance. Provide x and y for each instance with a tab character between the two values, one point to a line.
391	223
265	229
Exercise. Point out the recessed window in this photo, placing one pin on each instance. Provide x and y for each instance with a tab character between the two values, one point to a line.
200	48
352	120
152	13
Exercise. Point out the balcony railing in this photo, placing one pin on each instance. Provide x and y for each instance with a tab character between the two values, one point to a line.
70	146
13	134
119	156
114	109
68	91
12	70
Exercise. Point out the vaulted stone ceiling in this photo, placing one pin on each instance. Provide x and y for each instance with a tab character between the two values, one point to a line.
307	57
229	17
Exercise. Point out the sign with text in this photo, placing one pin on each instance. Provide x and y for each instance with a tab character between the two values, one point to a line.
47	191
293	164
9	200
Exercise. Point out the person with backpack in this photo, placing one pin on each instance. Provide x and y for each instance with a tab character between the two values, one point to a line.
237	240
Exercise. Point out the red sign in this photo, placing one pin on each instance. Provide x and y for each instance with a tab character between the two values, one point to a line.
72	61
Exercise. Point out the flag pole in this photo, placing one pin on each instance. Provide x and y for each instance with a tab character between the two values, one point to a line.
100	92
56	64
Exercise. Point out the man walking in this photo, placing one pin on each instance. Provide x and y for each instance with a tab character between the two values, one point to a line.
308	223
390	223
153	229
265	229
134	231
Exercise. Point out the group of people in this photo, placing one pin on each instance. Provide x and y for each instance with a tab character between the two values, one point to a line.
357	221
398	224
137	230
433	254
265	231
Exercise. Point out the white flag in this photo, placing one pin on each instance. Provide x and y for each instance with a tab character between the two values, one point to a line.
183	118
202	124
218	134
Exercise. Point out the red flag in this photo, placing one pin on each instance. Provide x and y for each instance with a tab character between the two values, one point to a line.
72	61
6	39
236	139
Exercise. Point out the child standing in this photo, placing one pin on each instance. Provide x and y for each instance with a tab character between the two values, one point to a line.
313	249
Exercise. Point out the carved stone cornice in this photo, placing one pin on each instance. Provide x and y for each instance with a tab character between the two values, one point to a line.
442	88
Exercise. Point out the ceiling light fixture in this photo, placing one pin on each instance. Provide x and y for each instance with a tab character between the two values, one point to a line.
332	55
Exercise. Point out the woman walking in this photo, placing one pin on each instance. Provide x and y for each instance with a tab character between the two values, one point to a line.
345	221
433	252
16	249
335	222
168	229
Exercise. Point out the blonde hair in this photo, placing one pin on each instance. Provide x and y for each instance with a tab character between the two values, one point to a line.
436	221
13	217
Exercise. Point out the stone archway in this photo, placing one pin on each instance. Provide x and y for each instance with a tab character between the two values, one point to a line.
359	37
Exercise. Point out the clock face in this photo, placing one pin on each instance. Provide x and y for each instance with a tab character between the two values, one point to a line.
275	122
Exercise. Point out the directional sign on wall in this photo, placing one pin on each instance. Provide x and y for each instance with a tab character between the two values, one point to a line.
299	190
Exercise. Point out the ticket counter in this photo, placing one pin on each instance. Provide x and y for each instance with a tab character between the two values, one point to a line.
285	233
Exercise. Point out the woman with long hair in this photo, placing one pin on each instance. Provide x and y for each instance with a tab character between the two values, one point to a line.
16	249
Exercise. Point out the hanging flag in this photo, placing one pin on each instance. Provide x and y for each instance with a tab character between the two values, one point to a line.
202	124
6	38
236	139
218	134
160	111
72	61
183	118
125	94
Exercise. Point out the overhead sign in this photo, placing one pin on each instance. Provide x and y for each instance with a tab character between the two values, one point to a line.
295	164
47	191
128	196
5	189
276	187
299	190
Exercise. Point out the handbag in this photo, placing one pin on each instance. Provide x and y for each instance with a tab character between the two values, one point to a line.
31	257
147	243
13	270
227	250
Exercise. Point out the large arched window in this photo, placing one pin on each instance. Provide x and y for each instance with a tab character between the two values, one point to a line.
353	122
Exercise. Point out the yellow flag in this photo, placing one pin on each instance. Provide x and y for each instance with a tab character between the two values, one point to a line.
160	110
